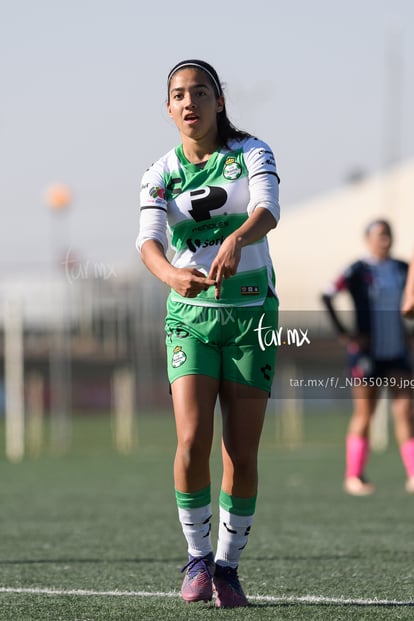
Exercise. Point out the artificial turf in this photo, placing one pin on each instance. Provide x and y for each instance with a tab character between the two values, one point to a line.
98	522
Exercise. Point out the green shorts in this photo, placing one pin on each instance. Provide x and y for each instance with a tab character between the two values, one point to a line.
233	343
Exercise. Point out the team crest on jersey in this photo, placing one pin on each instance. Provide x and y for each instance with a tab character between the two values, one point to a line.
232	169
156	192
179	357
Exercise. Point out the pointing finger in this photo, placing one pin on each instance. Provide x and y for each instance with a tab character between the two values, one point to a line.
219	279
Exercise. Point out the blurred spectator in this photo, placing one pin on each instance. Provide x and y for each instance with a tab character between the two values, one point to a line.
377	352
408	299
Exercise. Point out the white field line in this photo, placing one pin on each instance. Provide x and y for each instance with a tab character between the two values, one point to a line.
282	599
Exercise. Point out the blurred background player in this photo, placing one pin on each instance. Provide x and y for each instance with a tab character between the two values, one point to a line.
217	194
377	351
408	298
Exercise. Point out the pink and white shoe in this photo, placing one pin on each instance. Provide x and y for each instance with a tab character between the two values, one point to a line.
197	584
229	593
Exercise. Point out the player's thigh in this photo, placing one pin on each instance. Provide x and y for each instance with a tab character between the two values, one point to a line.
193	371
365	399
194	398
191	343
398	374
248	359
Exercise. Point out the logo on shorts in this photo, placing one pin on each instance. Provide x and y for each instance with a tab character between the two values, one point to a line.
179	357
250	290
266	370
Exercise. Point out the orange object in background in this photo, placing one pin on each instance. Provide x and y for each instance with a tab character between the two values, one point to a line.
58	197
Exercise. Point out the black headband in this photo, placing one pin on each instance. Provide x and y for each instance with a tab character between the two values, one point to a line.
199	64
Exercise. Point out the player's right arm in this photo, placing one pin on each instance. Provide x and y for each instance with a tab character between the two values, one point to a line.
187	281
327	298
152	241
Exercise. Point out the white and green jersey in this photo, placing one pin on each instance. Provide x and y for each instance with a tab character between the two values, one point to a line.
197	208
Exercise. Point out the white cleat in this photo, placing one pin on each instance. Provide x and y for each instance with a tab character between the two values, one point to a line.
409	485
357	486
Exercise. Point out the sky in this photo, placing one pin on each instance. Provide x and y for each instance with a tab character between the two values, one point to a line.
328	84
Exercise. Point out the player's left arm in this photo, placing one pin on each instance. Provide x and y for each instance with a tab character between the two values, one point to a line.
228	257
407	307
263	210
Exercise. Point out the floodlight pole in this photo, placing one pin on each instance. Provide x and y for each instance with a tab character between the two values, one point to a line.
13	362
58	199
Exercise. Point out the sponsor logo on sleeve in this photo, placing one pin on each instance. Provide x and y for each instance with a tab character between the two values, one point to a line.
156	192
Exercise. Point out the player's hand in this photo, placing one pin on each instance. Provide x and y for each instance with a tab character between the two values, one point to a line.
226	262
407	308
189	281
355	343
345	339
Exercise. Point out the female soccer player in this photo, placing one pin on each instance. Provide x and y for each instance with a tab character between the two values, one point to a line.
217	195
378	353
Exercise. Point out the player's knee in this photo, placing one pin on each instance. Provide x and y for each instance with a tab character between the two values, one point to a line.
192	451
243	462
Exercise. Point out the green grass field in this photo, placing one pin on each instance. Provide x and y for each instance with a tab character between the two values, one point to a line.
94	536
